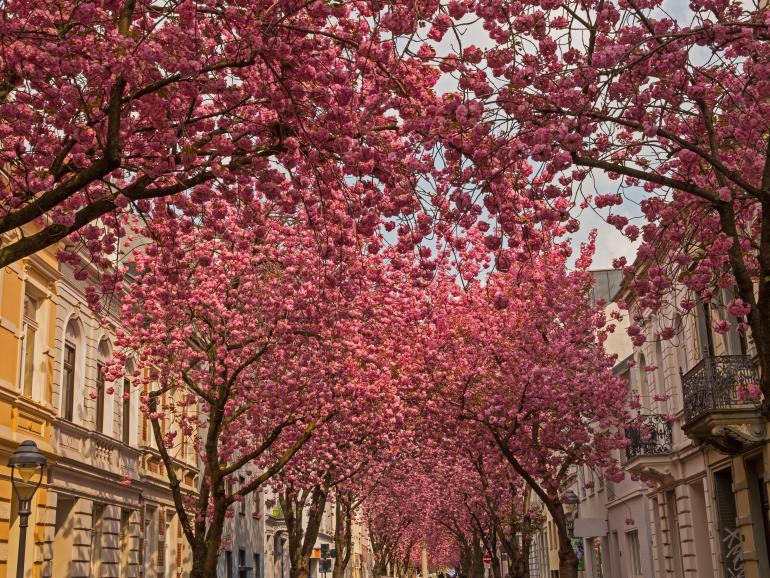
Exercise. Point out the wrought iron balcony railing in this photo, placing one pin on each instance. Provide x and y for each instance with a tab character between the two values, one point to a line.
715	383
652	437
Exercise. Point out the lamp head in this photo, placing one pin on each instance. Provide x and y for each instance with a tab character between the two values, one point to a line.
27	464
570	497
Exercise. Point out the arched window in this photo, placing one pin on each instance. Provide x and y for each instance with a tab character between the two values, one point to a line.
72	368
103	354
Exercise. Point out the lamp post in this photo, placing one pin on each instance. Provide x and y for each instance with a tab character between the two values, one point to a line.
27	464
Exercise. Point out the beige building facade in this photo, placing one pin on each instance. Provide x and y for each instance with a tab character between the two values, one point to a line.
695	502
104	509
706	447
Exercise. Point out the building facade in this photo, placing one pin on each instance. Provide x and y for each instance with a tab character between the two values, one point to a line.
104	508
695	501
243	553
705	446
28	314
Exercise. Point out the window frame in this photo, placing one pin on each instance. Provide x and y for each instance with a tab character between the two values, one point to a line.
67	406
126	412
30	325
635	553
99	421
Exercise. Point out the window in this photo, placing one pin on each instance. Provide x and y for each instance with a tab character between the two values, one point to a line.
229	570
243	570
634	555
182	445
97	538
161	543
660	377
72	370
257	566
681	347
100	397
145	421
241	482
104	352
29	330
126	410
644	384
737	341
125	541
68	382
705	336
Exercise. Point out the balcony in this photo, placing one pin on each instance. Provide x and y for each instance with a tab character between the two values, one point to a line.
652	437
650	445
715	411
83	449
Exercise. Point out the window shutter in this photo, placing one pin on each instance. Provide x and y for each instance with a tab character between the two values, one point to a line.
161	541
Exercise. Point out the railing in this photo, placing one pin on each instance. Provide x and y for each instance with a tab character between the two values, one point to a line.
86	446
714	384
652	437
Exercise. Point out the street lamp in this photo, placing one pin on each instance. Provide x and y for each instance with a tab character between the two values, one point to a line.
27	465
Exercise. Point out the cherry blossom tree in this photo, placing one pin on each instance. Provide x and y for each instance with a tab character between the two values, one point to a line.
520	360
388	521
341	462
260	339
616	103
108	105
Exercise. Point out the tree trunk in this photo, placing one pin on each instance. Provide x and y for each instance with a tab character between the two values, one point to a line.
205	552
343	535
760	326
302	539
300	567
496	568
476	569
380	568
568	561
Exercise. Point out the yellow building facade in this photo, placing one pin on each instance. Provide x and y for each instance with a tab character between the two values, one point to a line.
104	508
28	311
